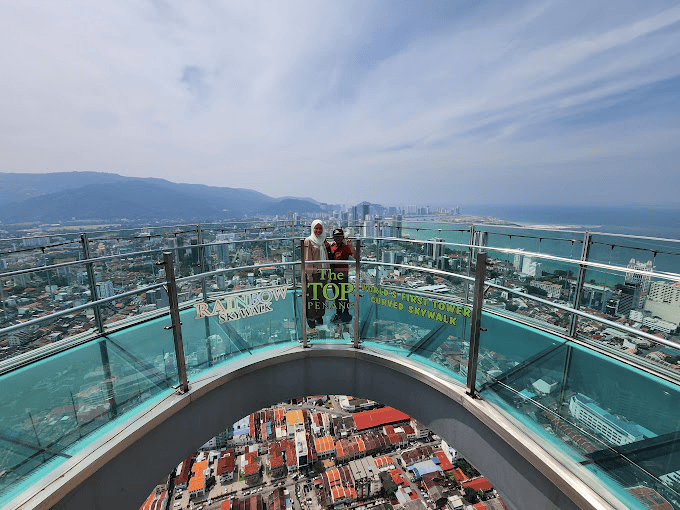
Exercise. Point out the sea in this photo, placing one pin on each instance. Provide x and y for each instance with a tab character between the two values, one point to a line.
559	231
630	220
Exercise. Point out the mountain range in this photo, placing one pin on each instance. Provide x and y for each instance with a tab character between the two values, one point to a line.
67	196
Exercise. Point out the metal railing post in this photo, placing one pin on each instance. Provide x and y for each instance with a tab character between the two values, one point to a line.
176	325
201	260
578	291
93	286
295	302
303	279
475	326
469	265
357	284
377	258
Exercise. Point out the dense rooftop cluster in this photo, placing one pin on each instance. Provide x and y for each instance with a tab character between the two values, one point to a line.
378	458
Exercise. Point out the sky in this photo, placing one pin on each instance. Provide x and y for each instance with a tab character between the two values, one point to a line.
395	102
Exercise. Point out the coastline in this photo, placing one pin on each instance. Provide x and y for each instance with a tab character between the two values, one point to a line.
492	220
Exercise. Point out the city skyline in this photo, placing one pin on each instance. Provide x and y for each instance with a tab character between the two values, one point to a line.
547	102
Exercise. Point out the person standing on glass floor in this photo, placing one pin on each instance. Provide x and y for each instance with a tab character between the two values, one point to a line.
315	254
341	249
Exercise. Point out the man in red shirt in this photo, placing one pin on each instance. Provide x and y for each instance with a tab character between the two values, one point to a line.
341	249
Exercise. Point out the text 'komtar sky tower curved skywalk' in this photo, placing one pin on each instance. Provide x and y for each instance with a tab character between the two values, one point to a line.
548	358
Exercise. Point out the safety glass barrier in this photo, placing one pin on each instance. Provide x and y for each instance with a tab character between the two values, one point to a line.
238	323
331	309
42	250
248	308
430	328
126	273
514	279
51	409
601	415
638	302
143	238
435	232
34	335
447	257
62	328
27	295
567	244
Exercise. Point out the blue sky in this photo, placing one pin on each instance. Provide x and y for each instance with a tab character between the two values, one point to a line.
551	102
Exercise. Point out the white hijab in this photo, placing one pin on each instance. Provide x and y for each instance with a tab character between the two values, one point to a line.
320	241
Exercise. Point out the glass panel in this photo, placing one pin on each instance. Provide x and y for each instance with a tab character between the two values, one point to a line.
331	301
589	407
529	277
34	294
51	407
25	339
506	344
241	323
39	250
631	296
434	330
561	243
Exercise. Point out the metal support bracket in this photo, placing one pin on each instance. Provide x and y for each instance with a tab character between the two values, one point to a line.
176	324
475	326
303	280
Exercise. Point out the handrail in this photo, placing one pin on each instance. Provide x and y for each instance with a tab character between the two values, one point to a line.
131	254
481	286
204	275
552	304
546	256
78	308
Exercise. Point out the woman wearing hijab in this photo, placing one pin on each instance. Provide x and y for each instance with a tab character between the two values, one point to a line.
315	249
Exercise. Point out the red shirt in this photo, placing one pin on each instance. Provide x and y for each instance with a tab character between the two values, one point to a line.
336	252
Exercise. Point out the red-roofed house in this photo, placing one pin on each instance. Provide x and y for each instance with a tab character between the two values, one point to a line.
458	475
324	446
196	487
384	461
182	474
251	467
478	484
444	461
379	418
398	478
225	465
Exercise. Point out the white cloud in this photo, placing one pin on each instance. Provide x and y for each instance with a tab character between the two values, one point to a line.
280	96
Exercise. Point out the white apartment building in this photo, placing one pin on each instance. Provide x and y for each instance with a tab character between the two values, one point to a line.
612	428
663	301
554	290
532	268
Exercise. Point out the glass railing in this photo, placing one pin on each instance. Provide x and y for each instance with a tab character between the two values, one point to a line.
573	346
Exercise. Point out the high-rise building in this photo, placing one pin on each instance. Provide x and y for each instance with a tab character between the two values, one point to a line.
481	238
436	251
641	280
365	210
532	268
627	299
518	263
222	250
369	227
32	242
396	225
105	289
